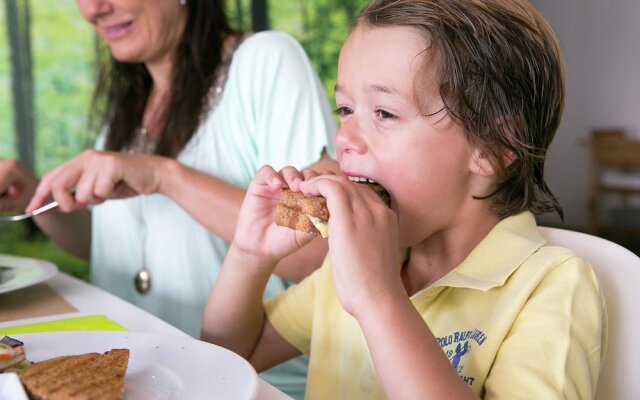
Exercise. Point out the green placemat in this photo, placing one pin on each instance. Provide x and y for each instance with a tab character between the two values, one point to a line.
87	323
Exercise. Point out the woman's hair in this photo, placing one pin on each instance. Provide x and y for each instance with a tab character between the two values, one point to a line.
501	78
123	88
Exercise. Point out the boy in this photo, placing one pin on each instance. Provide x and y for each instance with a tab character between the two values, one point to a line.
450	105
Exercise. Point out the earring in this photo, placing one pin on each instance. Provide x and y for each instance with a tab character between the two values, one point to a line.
183	2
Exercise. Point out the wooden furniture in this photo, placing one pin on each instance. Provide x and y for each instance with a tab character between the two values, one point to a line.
618	272
615	179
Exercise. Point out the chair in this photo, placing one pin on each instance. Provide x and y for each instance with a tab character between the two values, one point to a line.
618	271
615	171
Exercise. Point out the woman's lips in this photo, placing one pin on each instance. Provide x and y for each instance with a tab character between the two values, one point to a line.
117	31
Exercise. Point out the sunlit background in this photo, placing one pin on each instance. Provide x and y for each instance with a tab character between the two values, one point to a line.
601	41
63	53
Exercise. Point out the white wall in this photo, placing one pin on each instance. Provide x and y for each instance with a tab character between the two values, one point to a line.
601	43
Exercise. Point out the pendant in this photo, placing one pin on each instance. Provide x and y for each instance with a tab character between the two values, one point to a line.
142	280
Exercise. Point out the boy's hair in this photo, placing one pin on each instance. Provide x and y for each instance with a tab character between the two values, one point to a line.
501	78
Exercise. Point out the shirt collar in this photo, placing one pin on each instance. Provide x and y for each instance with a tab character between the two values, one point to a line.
498	255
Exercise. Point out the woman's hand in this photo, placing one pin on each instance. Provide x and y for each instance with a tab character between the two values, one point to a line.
363	241
17	185
256	233
95	176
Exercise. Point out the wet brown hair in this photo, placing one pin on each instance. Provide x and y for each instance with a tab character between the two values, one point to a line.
123	88
501	78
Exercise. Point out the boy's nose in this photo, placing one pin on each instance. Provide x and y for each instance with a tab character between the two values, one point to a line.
349	138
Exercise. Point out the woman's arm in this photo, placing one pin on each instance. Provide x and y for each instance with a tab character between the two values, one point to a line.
215	204
70	231
97	176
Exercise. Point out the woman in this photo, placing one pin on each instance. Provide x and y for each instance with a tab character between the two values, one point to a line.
191	110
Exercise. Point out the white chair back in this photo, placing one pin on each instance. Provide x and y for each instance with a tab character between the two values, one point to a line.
618	270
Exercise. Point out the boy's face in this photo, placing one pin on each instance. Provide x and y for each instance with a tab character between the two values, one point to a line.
423	161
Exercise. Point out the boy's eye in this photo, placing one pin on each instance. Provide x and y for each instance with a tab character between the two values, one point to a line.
382	114
343	111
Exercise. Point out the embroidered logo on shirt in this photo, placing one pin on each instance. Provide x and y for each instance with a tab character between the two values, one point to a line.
457	345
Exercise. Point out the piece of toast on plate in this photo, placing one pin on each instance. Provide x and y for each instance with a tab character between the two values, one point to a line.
78	377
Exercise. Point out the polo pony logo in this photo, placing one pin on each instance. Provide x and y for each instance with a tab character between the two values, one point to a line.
459	352
457	346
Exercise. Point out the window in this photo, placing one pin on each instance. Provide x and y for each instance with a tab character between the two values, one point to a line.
62	59
62	49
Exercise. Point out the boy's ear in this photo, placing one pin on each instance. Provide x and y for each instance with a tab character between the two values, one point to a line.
481	164
487	163
484	164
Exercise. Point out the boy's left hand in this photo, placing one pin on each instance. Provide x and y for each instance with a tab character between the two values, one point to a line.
257	235
363	240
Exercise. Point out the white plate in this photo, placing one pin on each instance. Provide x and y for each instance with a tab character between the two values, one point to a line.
160	367
23	272
11	388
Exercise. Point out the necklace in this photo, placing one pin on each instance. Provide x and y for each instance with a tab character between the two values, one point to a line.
142	144
142	277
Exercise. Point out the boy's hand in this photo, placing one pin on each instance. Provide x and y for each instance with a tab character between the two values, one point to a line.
256	233
363	241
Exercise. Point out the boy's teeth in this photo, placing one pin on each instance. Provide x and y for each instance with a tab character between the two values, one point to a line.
361	179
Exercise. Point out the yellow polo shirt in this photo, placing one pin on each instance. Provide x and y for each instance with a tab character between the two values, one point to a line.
517	319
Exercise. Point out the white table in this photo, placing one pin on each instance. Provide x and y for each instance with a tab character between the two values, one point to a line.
90	300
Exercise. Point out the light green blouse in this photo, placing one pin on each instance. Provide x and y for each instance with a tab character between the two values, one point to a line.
273	111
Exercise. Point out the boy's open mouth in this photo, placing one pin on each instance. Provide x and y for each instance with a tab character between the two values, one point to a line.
375	186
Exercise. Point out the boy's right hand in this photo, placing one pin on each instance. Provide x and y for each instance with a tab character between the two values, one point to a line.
257	236
17	185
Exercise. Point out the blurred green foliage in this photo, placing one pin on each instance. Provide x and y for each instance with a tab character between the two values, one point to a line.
321	26
6	110
62	48
64	52
36	245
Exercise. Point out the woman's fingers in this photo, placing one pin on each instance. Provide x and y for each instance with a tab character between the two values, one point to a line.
85	188
60	184
65	198
117	173
89	178
43	191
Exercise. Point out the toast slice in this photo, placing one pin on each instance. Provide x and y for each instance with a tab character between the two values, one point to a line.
78	377
309	213
299	212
